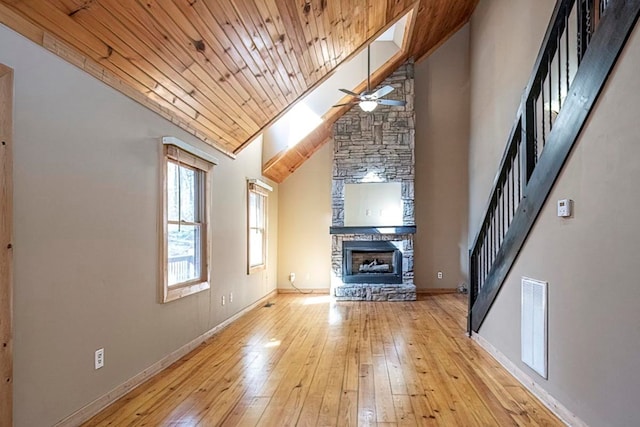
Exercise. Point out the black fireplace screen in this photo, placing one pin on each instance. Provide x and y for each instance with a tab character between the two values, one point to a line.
371	262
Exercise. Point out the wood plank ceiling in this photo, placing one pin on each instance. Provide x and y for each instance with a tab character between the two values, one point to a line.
222	69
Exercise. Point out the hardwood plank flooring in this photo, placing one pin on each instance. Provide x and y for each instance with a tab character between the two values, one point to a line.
310	361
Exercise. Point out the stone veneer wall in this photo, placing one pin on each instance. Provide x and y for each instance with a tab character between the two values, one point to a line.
378	146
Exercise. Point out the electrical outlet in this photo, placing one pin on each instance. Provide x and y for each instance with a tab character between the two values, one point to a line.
230	297
222	302
439	274
99	358
292	277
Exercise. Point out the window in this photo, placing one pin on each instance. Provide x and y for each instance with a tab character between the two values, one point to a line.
257	225
186	224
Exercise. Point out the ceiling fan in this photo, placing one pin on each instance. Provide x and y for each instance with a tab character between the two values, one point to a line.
368	100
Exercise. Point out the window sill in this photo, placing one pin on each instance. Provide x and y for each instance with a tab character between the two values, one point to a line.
177	292
256	268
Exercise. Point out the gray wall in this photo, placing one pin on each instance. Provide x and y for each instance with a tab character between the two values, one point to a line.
442	146
86	167
589	260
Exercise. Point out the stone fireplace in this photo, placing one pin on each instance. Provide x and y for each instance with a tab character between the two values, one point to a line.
373	221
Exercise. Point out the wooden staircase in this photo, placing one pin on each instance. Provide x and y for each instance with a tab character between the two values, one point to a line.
580	48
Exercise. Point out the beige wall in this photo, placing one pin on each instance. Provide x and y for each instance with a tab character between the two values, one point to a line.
442	138
86	168
589	260
304	218
505	38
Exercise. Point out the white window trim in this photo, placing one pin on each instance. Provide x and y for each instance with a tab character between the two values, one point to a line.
177	153
263	189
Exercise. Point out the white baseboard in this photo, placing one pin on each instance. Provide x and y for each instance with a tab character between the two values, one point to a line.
568	417
88	411
321	291
436	291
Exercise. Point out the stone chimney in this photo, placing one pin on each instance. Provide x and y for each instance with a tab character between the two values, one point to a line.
376	147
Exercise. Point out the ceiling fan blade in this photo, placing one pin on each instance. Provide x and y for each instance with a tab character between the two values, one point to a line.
347	103
349	92
393	102
382	92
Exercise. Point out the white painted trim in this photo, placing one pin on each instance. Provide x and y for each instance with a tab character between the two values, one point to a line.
170	140
93	408
568	417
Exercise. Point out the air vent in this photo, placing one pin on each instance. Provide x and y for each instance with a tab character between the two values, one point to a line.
534	325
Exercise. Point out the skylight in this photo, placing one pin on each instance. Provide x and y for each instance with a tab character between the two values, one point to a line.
303	118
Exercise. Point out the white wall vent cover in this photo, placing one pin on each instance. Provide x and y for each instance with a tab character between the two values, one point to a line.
534	325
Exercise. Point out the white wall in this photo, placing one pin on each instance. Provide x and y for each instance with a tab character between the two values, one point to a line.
373	203
86	168
589	260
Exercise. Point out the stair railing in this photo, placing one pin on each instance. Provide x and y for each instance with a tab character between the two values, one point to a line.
572	26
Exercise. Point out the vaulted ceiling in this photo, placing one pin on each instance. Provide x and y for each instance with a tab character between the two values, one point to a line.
223	69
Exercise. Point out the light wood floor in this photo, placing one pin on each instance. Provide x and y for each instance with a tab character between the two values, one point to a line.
310	361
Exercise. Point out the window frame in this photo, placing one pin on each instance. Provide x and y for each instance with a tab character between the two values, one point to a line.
260	189
176	155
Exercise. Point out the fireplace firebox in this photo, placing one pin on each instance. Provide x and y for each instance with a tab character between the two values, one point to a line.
375	262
